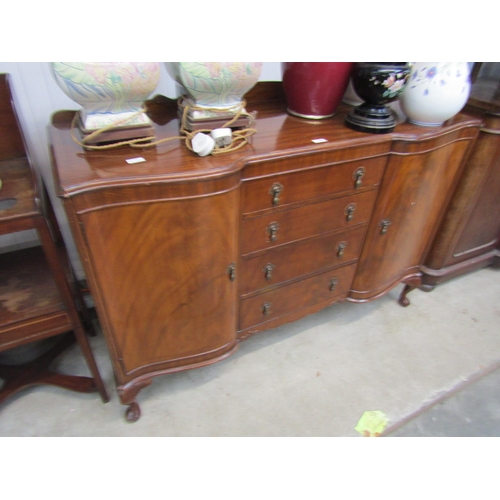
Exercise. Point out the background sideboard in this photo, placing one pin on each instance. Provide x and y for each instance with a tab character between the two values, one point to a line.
469	236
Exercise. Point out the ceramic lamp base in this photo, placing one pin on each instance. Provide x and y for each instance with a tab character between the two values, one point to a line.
124	119
117	134
198	119
371	119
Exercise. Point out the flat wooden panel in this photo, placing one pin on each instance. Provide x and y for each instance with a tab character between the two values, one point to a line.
161	275
315	183
483	225
413	198
292	298
471	226
305	221
300	259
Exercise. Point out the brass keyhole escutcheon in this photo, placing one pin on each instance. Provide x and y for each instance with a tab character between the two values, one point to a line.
275	191
268	271
333	284
272	230
358	176
349	211
384	225
340	249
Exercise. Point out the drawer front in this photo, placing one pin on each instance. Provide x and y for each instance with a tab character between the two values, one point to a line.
300	259
284	189
291	298
278	228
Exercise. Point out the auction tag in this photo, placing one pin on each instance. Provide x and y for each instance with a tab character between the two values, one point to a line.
139	159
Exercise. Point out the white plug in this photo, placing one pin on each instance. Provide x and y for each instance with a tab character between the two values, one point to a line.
202	144
222	136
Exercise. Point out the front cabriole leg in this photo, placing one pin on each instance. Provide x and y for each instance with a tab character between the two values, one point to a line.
128	395
411	283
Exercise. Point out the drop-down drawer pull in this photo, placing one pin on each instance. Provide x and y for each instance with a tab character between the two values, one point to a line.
268	271
275	192
266	308
272	230
349	211
358	177
341	248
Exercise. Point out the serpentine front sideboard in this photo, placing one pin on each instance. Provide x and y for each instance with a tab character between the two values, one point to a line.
186	256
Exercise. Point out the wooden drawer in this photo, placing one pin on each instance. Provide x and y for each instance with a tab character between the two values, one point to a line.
278	228
300	259
293	187
281	301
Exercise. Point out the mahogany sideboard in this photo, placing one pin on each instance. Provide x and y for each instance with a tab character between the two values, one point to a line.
469	235
187	256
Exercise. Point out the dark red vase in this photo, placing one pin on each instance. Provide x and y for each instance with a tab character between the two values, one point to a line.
314	89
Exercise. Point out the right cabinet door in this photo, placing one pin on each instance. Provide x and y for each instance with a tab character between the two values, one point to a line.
416	187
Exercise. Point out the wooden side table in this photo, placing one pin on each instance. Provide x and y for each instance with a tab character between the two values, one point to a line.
39	297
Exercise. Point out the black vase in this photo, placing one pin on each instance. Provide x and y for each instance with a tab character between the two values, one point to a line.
377	84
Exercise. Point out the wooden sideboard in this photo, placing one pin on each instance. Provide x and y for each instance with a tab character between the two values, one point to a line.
469	236
187	256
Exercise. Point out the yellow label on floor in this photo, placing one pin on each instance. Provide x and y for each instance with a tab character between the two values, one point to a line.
372	423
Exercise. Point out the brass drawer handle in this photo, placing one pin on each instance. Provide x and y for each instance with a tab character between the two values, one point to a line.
268	271
384	226
349	211
266	308
275	192
231	270
358	176
272	230
340	249
333	284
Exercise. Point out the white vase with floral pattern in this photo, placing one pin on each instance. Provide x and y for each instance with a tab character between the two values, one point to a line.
109	92
220	86
435	92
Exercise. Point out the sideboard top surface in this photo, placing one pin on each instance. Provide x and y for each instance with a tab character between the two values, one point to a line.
278	135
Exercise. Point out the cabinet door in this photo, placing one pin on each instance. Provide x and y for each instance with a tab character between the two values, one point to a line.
161	273
417	184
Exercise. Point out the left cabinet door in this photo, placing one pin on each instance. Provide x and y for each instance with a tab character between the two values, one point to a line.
159	269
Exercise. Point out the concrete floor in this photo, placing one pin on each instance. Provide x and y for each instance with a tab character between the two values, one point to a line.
315	377
471	411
